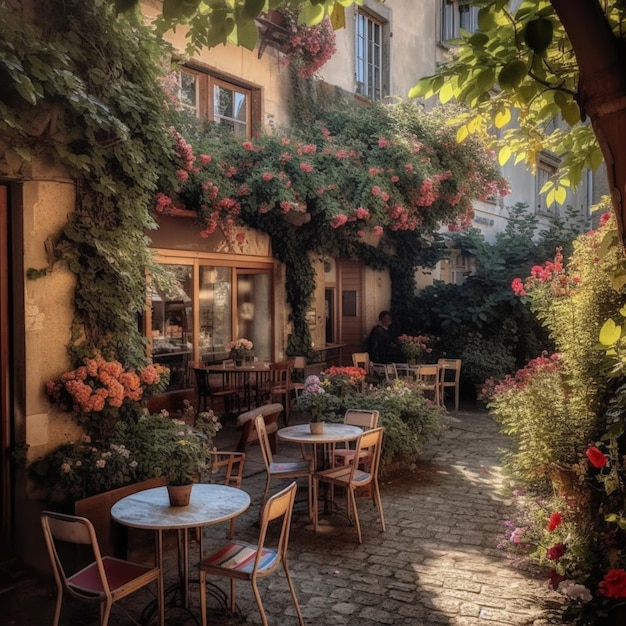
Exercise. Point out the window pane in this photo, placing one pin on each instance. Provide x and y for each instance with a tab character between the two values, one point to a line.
172	325
215	311
254	317
231	110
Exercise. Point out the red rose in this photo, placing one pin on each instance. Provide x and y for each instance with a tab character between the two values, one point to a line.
613	584
556	519
556	552
596	457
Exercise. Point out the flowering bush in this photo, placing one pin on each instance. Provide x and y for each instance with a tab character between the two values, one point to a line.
307	48
151	446
413	347
98	391
239	348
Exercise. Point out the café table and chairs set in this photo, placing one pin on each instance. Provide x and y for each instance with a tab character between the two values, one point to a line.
107	580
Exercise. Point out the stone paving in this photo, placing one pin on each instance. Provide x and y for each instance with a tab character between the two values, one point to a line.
436	564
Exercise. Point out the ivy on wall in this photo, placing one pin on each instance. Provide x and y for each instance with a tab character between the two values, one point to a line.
82	85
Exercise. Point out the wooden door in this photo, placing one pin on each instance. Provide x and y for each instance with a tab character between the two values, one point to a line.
351	311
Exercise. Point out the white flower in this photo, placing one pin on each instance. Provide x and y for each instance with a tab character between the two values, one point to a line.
133	464
78	463
100	463
66	468
575	591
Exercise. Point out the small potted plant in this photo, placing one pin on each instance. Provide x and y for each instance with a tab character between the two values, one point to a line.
239	349
414	347
321	404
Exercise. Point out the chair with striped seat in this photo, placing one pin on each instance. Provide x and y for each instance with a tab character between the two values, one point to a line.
244	561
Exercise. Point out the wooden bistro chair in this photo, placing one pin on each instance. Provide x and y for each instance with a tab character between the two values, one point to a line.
361	359
351	478
280	385
106	580
207	393
225	468
283	470
245	561
449	378
298	368
385	371
367	420
427	378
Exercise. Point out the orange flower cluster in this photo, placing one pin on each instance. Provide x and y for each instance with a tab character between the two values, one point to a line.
99	383
355	374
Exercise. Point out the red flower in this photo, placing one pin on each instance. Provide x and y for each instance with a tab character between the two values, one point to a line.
556	552
556	519
596	457
613	584
554	578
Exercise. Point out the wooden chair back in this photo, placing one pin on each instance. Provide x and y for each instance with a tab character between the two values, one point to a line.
366	419
264	442
386	371
450	378
361	359
427	377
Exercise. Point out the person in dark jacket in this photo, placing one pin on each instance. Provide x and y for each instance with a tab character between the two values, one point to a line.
379	343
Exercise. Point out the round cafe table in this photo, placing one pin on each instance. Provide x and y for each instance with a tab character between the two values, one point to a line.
333	434
150	509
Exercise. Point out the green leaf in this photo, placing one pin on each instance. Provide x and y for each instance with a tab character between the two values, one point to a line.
502	118
486	19
247	34
610	333
538	34
511	74
311	14
478	40
252	8
504	155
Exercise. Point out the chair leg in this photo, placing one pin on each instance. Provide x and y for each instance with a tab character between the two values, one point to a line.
161	599
257	597
293	594
57	609
231	532
315	503
233	601
379	505
352	499
203	598
456	398
106	612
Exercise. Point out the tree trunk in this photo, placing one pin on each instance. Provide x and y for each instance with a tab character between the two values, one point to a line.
601	60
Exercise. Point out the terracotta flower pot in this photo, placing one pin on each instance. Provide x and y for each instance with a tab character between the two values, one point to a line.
317	428
179	494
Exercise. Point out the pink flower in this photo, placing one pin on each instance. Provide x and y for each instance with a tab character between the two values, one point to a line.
205	159
247	145
395	179
382	142
338	220
518	287
375	190
182	175
306	167
267	176
378	230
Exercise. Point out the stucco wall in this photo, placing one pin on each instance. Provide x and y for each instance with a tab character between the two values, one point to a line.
48	306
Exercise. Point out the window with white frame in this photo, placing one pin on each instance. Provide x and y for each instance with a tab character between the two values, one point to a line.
546	168
233	105
457	15
369	56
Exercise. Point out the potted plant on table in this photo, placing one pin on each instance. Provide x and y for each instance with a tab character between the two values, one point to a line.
239	349
180	450
319	401
414	347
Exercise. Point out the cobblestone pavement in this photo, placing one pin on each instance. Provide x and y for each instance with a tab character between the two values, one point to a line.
436	564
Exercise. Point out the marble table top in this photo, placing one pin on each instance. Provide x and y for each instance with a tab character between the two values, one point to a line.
333	433
209	504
